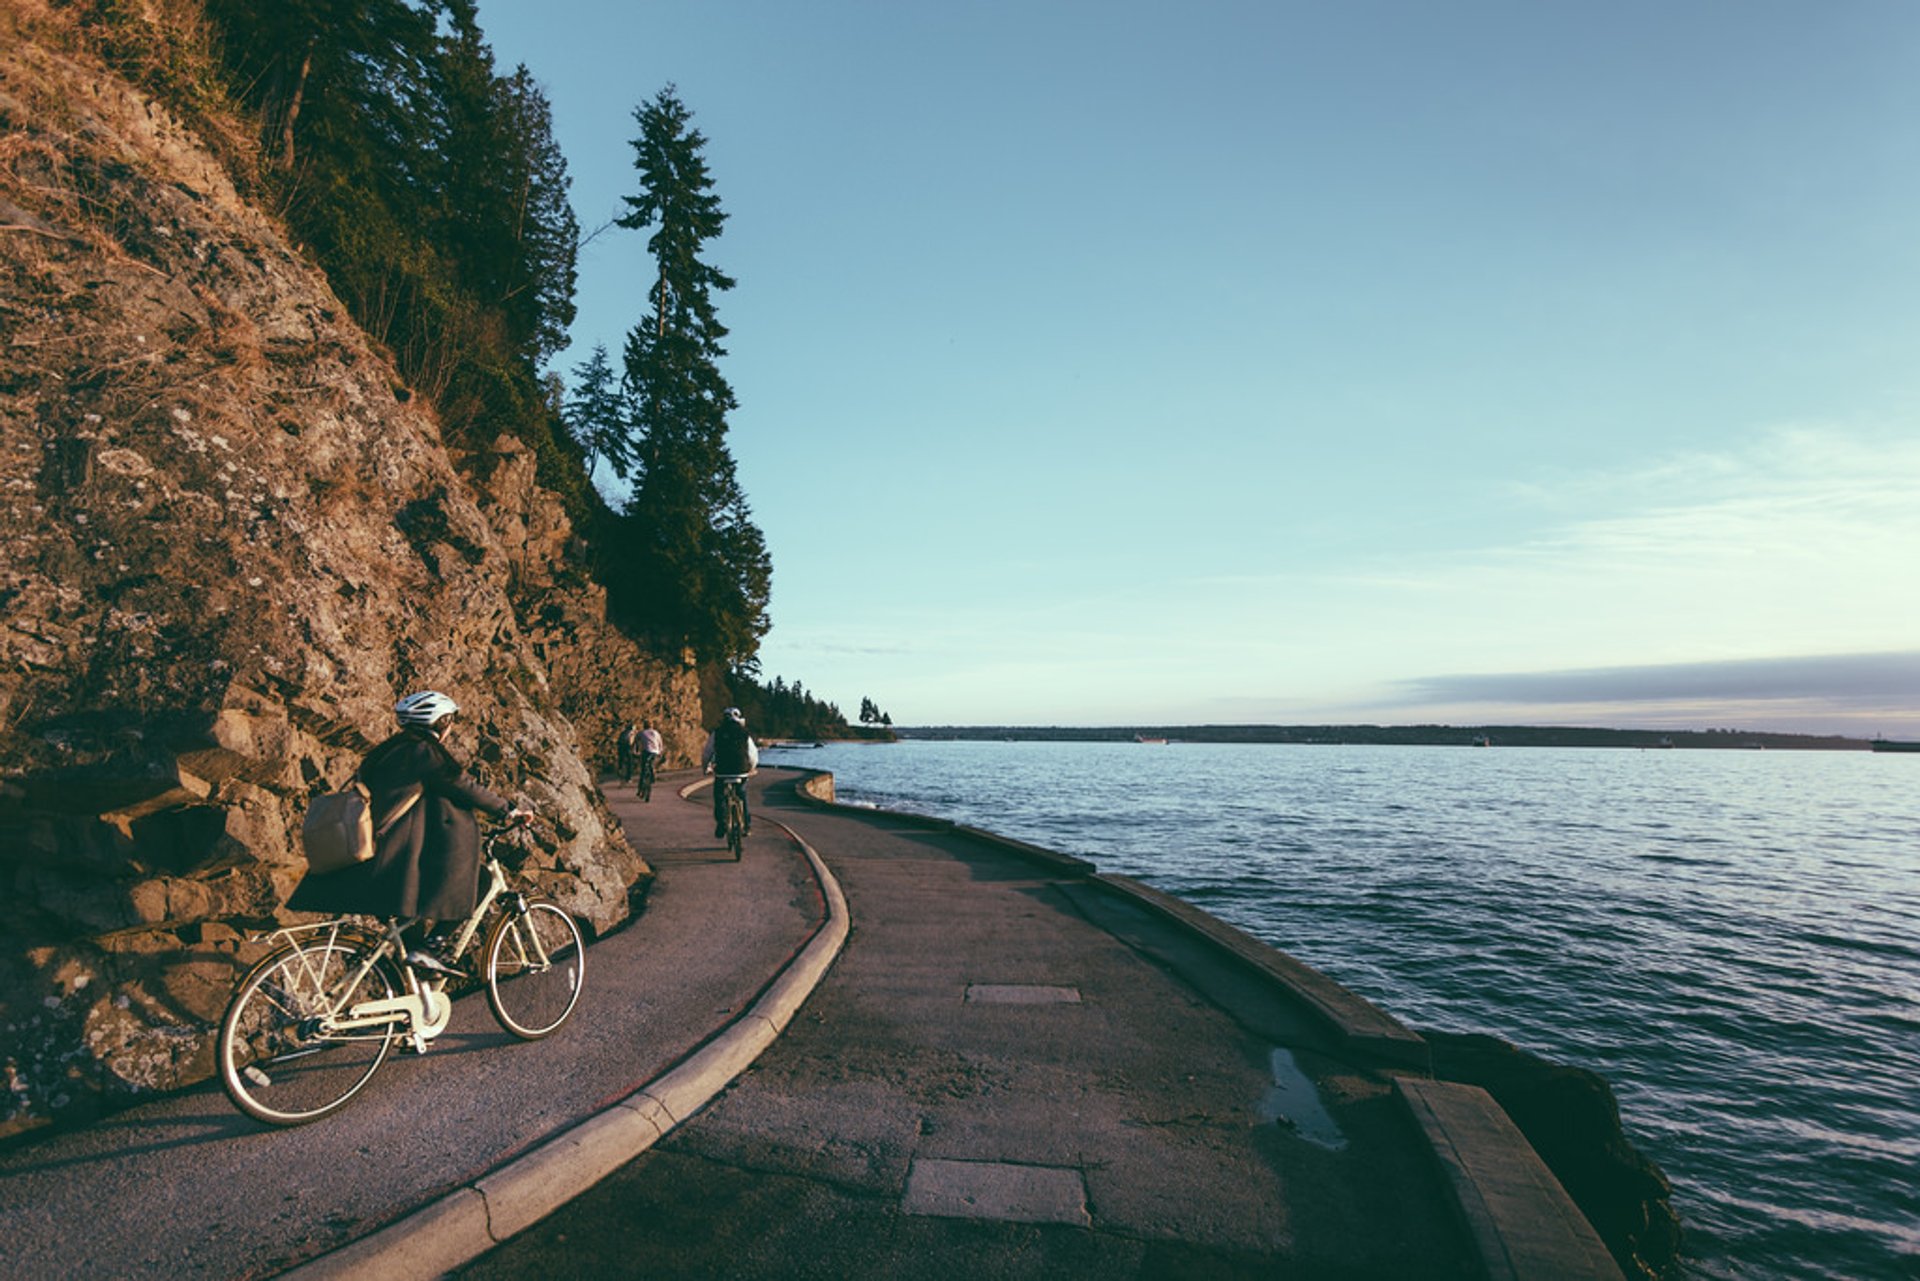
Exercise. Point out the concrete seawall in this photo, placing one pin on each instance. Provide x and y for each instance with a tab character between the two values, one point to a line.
1519	1219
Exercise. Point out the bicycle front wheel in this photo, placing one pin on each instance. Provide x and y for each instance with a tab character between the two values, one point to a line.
276	1062
535	962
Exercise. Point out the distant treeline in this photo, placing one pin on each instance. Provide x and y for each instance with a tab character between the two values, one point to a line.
777	710
1410	735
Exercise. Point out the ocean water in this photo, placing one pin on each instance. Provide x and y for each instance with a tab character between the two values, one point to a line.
1731	938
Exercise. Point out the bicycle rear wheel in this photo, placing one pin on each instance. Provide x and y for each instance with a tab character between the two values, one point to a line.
535	963
275	1062
736	818
646	783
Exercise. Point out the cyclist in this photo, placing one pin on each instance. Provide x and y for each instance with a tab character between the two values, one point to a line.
730	750
652	747
623	750
426	860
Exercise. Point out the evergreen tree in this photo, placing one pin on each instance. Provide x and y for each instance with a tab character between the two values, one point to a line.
325	71
596	415
697	566
430	189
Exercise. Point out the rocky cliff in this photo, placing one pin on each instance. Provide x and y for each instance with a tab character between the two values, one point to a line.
229	539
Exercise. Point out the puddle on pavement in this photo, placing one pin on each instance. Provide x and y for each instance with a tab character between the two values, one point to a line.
1295	1103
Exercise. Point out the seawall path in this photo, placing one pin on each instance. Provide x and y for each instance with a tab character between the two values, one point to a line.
1014	1067
186	1186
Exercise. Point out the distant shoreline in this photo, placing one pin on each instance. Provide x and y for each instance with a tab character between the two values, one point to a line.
1399	735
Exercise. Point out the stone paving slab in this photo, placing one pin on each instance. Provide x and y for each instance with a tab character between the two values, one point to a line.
996	1190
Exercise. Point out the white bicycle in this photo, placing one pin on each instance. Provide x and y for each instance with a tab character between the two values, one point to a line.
315	1019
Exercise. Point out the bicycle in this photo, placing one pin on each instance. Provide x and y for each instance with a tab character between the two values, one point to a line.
313	1021
644	788
736	803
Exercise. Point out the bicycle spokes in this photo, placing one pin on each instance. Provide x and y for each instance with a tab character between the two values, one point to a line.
282	1058
535	962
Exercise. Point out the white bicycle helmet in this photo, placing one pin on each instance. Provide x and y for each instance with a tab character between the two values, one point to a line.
733	714
426	708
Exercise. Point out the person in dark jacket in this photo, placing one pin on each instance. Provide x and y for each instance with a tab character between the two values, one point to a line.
426	862
729	750
623	749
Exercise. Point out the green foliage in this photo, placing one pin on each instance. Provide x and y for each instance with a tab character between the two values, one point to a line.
780	710
431	190
429	187
596	416
689	566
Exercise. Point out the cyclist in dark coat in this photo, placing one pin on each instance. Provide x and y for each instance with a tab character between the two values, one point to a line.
427	862
730	750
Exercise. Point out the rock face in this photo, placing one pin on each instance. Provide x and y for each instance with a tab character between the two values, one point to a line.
229	540
1570	1117
599	677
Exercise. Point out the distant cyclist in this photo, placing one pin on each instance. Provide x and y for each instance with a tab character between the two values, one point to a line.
730	750
426	862
623	750
651	748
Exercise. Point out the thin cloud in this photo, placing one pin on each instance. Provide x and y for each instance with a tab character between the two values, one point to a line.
1834	680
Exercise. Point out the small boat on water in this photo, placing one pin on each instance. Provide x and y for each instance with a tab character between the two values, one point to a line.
1893	745
1142	738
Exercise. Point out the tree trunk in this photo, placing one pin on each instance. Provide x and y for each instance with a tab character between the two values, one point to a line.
293	107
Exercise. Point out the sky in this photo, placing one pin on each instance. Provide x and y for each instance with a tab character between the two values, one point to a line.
1104	362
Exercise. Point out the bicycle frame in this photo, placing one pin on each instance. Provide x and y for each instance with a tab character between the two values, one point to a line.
733	791
424	1009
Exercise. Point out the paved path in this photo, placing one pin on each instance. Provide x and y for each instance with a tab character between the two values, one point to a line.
1012	1070
187	1187
1011	1073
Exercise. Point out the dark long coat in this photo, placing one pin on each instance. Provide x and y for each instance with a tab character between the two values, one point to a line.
428	862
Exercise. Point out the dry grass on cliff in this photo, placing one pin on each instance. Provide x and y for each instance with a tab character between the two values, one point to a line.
163	46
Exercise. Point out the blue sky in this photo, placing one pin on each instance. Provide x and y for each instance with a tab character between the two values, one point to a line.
1381	360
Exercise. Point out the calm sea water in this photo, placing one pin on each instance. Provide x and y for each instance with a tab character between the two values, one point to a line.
1731	938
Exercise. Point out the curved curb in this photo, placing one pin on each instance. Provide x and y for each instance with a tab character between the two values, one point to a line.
469	1221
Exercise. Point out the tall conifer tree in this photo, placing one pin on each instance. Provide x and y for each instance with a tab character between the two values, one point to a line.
698	564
